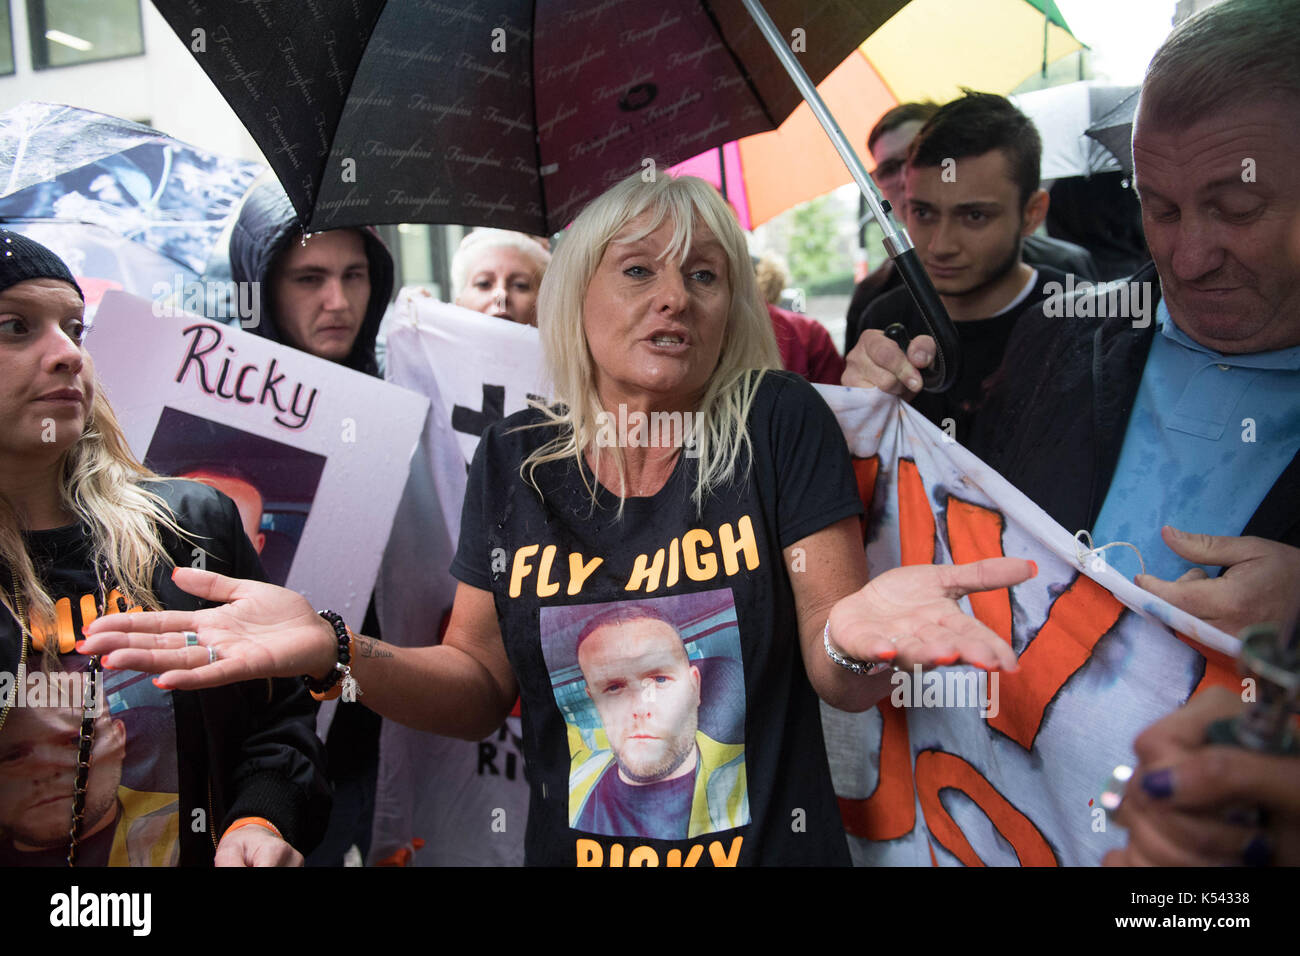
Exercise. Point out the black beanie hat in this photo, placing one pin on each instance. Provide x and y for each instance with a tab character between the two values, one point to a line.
22	259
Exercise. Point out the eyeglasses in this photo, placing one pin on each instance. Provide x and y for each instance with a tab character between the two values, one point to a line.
890	168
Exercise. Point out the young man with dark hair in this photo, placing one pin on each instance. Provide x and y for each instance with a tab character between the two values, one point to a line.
889	142
972	196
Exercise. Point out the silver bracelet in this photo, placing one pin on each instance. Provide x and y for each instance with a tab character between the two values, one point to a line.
865	668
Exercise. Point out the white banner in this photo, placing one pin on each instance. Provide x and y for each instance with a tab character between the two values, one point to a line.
440	801
961	768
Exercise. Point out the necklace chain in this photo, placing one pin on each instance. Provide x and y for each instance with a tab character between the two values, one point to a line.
85	744
86	735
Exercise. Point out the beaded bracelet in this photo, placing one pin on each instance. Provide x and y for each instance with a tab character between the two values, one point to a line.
322	687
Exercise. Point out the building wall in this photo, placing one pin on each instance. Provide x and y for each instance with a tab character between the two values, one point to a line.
165	87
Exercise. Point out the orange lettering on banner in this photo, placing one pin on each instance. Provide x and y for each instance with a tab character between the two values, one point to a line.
915	519
974	533
1078	619
890	812
936	771
1220	669
865	471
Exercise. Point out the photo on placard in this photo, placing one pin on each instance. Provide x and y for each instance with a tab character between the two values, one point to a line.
652	691
272	484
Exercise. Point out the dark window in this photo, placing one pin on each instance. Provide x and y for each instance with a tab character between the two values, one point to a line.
67	32
6	40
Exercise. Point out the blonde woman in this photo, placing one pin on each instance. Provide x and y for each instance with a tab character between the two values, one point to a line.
105	768
667	611
498	273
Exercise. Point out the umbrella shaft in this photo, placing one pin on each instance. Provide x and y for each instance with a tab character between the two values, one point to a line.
896	239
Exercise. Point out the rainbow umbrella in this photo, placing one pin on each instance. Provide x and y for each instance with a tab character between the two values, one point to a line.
929	50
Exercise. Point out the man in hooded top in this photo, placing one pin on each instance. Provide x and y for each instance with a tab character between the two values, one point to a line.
324	292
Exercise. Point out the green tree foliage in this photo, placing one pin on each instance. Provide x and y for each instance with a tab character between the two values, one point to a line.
814	244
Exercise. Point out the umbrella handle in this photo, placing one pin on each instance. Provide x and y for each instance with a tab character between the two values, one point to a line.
943	372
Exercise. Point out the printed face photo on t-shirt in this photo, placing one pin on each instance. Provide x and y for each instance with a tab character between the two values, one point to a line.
653	697
130	816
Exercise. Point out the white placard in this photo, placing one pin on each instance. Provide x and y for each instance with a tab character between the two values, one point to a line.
328	448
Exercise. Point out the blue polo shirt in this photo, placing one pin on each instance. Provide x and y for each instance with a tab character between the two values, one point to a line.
1208	437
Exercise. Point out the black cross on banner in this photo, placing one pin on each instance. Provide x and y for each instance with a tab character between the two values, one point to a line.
494	409
475	423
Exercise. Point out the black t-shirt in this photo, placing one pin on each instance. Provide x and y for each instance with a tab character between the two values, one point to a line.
689	643
983	341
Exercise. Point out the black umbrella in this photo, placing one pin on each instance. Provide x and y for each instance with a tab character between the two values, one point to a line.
1115	131
506	113
514	113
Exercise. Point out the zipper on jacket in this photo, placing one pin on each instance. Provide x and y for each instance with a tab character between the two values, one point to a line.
212	822
20	678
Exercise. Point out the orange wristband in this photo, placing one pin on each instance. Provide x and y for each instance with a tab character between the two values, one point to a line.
253	821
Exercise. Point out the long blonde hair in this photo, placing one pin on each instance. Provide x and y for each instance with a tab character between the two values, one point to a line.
748	342
100	482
